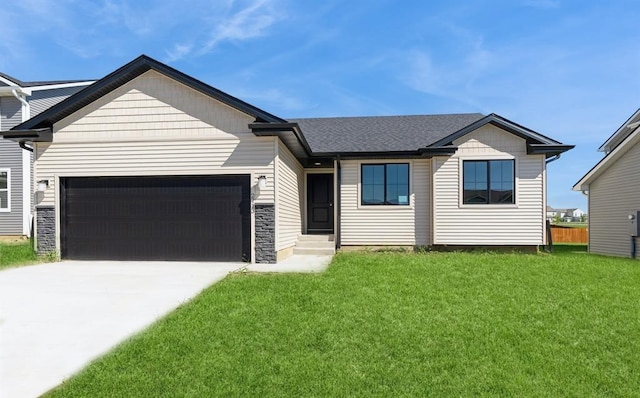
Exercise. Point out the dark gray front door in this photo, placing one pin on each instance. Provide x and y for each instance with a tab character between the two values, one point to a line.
320	203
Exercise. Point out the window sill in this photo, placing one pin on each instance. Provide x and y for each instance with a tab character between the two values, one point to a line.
385	207
489	206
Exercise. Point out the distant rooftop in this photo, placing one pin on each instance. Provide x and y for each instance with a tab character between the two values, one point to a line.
37	83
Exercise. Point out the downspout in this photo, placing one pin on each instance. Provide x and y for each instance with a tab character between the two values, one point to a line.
338	207
548	224
24	146
27	186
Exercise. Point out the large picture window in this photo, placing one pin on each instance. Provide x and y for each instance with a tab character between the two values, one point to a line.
5	186
385	184
488	181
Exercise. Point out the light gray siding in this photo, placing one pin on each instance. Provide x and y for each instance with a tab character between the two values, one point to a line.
42	100
289	199
11	223
154	125
362	225
11	158
612	197
10	112
521	223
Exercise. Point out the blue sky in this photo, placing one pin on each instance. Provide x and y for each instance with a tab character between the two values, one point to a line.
567	69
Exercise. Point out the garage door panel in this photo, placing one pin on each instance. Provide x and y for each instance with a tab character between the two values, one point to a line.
152	218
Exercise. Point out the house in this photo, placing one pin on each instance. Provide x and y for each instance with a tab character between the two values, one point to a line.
149	163
566	215
18	102
613	189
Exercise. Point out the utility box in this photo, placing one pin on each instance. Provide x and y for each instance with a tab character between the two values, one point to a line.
635	225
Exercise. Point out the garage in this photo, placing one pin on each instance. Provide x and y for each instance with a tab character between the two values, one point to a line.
179	218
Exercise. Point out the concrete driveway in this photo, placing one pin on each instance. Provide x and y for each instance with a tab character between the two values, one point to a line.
55	318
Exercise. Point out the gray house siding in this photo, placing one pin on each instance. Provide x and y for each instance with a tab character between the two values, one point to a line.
11	155
10	112
11	223
11	158
42	100
613	196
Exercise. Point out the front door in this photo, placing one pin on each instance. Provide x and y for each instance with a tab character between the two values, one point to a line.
320	203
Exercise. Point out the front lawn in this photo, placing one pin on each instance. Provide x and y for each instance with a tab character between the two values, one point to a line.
392	324
17	253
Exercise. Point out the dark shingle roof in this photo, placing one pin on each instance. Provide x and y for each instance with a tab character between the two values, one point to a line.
381	133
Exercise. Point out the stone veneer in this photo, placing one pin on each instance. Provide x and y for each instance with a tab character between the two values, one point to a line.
265	233
46	228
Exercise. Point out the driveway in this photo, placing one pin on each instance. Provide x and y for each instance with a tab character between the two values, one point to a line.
55	318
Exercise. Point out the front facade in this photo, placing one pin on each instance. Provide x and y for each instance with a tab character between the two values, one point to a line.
151	164
613	189
20	101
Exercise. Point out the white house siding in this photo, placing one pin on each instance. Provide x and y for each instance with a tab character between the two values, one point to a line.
289	199
11	223
41	100
612	197
385	225
519	224
153	125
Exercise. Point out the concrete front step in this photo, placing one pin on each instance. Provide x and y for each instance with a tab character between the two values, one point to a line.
316	251
316	238
315	244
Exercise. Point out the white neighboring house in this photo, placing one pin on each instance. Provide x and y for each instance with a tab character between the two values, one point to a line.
613	188
19	101
566	215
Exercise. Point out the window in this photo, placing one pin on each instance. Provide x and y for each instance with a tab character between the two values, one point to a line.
4	189
488	181
385	184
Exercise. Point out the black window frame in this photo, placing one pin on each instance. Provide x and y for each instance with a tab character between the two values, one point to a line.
488	188
386	202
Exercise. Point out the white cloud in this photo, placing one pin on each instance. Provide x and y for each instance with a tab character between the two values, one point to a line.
177	52
250	22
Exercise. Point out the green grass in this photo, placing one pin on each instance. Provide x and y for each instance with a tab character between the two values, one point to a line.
16	254
392	324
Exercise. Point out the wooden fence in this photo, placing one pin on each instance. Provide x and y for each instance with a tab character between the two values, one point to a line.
569	234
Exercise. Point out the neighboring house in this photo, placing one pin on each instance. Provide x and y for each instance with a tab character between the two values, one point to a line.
566	215
18	102
149	163
613	188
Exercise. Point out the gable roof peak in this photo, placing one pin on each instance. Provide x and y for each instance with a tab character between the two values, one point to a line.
128	72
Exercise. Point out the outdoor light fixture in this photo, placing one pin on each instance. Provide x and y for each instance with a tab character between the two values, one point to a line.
43	185
631	217
262	182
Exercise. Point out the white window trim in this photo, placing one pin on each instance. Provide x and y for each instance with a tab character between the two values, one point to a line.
8	189
411	204
461	203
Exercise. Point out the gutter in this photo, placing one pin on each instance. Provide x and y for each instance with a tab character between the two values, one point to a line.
552	158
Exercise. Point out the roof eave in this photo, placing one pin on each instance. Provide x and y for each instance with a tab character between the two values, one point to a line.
503	123
602	165
606	146
264	129
548	150
127	73
33	135
418	153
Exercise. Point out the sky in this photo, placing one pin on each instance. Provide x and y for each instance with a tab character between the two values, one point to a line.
566	69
